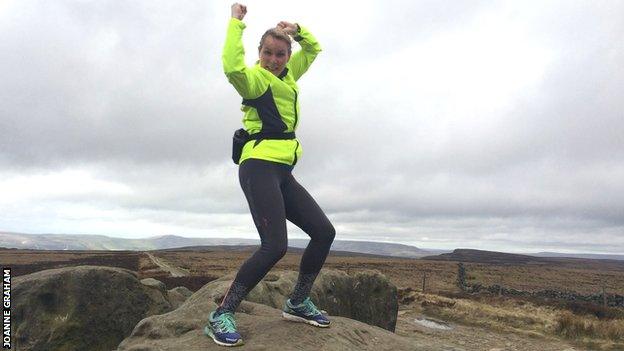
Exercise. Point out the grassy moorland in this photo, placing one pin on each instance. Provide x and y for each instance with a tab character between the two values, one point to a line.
585	325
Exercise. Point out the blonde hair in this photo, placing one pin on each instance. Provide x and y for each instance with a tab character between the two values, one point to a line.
276	34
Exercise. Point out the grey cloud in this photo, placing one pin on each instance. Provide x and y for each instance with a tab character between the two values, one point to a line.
135	92
104	82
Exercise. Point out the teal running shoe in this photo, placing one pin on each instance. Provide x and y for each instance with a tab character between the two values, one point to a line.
305	312
222	329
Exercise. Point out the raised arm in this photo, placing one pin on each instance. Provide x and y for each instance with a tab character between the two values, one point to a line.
246	81
301	60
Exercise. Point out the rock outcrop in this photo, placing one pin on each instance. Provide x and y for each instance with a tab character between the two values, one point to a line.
177	296
367	296
157	292
80	308
102	308
262	328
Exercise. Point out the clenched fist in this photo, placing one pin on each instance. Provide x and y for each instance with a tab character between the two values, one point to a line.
289	28
239	11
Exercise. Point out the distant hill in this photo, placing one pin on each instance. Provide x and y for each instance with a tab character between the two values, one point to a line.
243	248
482	256
375	248
101	242
503	258
590	256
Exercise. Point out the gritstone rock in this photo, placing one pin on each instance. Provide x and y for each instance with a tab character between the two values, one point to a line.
262	328
80	308
366	296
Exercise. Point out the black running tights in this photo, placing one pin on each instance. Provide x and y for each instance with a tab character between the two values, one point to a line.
274	196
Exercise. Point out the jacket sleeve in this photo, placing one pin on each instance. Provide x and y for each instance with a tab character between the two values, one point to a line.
247	81
301	60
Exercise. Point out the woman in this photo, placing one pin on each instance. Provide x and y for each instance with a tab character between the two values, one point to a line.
270	106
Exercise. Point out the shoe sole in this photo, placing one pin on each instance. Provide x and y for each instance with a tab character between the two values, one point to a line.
294	318
208	332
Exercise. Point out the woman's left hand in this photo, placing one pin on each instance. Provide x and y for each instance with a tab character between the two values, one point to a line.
289	28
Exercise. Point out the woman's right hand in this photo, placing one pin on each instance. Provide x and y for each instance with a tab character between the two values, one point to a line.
239	11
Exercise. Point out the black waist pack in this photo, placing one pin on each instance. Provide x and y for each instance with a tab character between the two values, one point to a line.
238	141
241	137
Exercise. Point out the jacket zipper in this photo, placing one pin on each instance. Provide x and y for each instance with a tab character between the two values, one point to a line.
295	125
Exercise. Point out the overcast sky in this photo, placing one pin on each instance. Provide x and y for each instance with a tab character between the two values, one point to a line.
495	125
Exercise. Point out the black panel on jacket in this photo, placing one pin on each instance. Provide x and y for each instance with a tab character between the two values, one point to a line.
267	111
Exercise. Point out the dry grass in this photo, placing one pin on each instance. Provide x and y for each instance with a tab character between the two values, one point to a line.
500	314
526	318
584	279
586	328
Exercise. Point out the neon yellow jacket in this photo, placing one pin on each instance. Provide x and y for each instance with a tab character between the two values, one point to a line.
269	102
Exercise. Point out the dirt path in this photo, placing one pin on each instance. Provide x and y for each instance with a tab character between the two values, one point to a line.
174	271
467	338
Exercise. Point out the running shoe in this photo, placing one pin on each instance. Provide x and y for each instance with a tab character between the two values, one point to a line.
222	329
305	312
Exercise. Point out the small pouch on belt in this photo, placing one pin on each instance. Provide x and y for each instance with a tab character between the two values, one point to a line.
239	140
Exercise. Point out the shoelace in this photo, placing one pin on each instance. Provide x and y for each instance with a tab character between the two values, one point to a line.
309	309
226	323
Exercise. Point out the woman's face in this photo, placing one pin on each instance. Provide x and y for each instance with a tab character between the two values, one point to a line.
274	55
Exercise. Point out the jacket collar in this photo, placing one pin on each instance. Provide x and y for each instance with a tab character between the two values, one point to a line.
281	75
